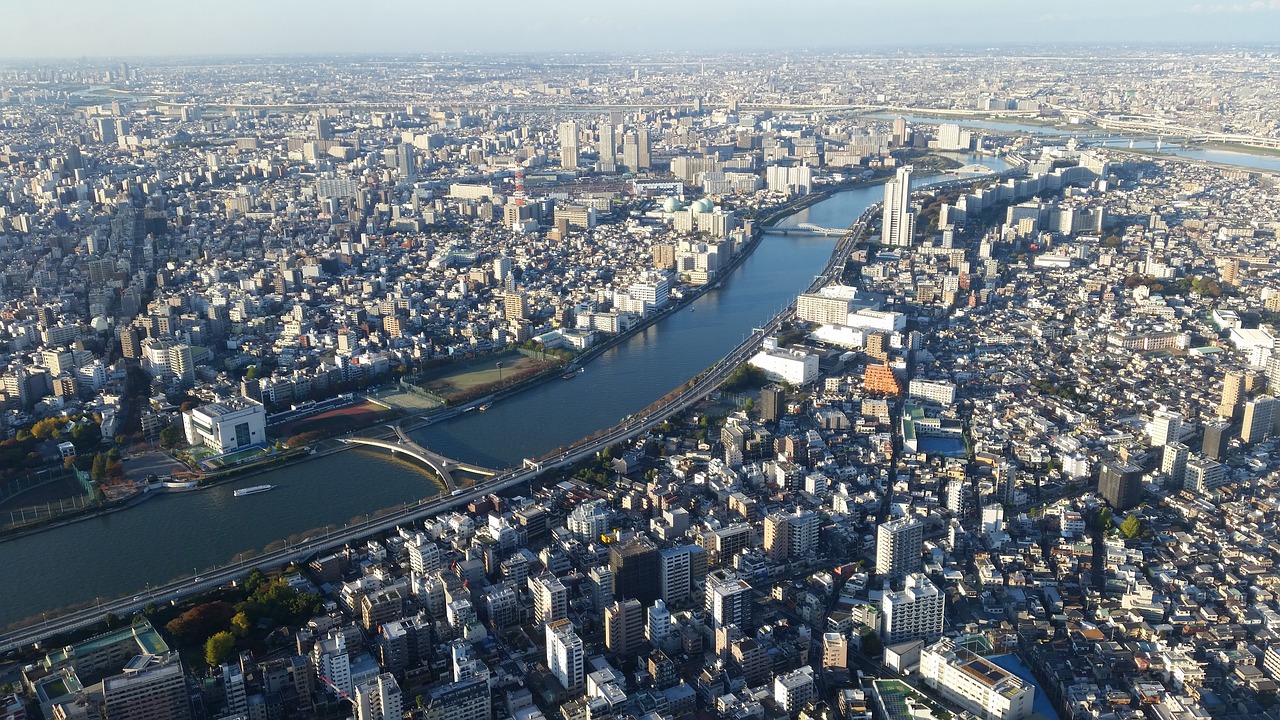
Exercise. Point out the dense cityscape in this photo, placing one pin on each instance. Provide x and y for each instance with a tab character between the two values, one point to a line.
1008	449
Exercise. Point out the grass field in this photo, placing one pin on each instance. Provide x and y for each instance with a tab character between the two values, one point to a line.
513	367
341	420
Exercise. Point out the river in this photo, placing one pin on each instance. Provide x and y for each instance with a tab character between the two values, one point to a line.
1095	136
177	535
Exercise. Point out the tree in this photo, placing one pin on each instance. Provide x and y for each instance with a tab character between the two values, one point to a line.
1131	527
240	624
171	437
99	471
218	647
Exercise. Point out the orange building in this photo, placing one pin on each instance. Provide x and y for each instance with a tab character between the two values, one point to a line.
880	379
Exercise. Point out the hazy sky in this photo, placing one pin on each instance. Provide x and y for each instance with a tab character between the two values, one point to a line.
134	28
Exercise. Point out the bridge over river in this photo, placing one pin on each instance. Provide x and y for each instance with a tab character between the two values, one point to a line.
442	465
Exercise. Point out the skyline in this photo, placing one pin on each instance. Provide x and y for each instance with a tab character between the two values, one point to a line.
149	28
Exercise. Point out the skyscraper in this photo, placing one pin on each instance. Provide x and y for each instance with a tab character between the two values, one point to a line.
899	544
607	146
569	145
899	224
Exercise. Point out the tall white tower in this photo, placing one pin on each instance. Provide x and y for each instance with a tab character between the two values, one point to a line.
899	224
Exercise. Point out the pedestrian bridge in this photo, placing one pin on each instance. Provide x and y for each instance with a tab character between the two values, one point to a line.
442	465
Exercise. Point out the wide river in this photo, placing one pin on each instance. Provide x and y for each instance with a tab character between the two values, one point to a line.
181	534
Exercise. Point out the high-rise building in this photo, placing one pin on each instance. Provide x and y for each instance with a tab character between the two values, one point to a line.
899	131
1166	427
674	573
569	145
624	626
600	586
913	613
728	602
1259	420
1203	475
607	145
515	306
1173	462
793	689
790	535
1216	435
772	398
550	598
635	566
658	624
565	656
233	688
899	224
1120	484
152	687
1232	392
379	699
899	546
424	554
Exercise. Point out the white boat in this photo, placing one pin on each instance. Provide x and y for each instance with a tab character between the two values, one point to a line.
252	490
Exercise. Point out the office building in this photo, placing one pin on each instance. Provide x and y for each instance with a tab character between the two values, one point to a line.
1120	484
565	656
974	683
1259	420
226	426
772	399
635	565
953	137
379	699
912	613
624	626
899	546
899	223
151	687
1216	435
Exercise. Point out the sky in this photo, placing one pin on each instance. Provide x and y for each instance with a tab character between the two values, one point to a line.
43	29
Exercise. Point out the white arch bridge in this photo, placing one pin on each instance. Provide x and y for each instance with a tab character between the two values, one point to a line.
807	229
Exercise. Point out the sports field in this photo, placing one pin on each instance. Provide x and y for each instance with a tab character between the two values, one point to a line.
477	379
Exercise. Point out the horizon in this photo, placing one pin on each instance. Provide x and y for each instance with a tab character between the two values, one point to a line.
242	28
